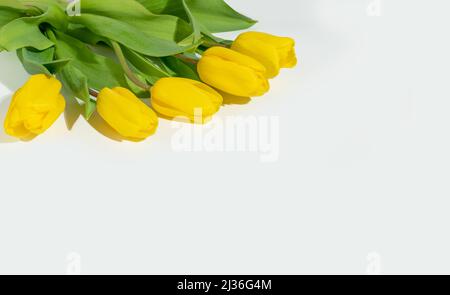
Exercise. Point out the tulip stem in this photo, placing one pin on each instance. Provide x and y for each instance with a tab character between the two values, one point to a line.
123	62
93	92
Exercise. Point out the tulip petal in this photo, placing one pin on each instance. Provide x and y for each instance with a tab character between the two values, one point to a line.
179	97
34	107
272	51
126	113
233	72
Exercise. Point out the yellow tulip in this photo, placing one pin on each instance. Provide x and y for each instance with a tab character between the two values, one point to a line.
126	113
233	72
180	97
34	107
272	51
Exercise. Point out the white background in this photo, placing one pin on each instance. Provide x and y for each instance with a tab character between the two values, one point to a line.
361	184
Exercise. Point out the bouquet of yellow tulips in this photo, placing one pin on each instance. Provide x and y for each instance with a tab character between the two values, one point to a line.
112	54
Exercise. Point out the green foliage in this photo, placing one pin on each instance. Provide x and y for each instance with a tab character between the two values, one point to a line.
156	37
38	62
26	31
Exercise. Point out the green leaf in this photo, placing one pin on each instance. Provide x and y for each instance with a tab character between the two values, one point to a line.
181	68
167	27
101	71
25	31
147	67
171	7
86	70
81	33
127	35
40	62
216	16
177	8
13	5
43	4
206	15
7	16
32	61
133	26
77	83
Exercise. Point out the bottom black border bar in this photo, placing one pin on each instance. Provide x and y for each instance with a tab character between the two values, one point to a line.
226	284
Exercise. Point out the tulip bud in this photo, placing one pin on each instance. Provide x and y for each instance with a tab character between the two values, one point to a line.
180	97
233	72
126	113
272	51
34	107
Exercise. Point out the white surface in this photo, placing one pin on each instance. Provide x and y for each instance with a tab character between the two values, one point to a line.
361	183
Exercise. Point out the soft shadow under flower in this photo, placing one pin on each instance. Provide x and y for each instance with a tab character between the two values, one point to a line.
97	122
229	99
